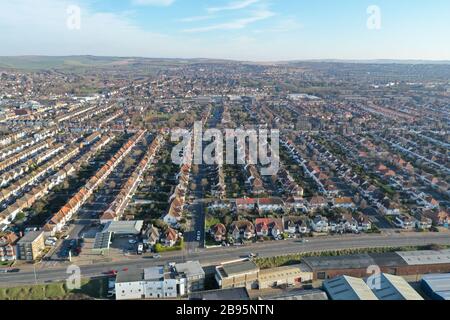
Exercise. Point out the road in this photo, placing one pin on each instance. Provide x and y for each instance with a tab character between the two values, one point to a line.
209	257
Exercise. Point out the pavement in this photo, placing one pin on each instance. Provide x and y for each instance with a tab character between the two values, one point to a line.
207	257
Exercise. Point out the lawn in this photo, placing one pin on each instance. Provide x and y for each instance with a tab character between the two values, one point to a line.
95	288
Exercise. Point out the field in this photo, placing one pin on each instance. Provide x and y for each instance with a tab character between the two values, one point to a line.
90	289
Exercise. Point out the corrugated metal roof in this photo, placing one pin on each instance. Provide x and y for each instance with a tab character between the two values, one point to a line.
395	288
348	288
425	257
439	284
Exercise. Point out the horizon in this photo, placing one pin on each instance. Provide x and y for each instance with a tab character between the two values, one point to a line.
239	30
318	60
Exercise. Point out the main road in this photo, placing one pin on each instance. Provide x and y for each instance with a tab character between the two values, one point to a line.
215	256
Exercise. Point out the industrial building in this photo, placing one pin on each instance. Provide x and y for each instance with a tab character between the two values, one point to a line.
396	263
348	288
232	294
386	287
162	282
395	288
436	286
248	275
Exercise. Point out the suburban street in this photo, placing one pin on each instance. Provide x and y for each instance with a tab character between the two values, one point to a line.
210	257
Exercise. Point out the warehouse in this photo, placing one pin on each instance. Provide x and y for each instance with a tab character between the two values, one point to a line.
289	275
348	288
395	288
436	286
395	263
388	288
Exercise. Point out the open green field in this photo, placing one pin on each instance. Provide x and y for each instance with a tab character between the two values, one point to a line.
90	289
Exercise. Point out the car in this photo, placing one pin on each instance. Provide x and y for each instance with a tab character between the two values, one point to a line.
156	256
3	270
15	270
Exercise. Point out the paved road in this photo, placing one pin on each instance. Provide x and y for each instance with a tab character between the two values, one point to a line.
216	256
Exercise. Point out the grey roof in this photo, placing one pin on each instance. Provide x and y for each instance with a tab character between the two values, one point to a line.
233	294
154	273
425	257
102	241
388	259
358	261
234	268
395	288
300	295
124	227
190	269
439	284
348	288
30	236
132	275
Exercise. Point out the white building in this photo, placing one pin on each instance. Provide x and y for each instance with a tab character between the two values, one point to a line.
162	282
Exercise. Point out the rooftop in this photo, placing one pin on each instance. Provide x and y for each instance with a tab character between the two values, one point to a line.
439	284
31	236
124	227
395	288
425	257
190	269
236	294
132	275
348	288
240	267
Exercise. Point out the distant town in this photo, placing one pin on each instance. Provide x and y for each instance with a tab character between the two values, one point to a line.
92	205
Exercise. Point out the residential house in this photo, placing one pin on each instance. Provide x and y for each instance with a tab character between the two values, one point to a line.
270	205
242	230
246	204
317	202
266	227
344	202
8	247
320	224
170	237
405	222
219	232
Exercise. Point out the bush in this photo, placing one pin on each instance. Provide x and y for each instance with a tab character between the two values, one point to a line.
159	248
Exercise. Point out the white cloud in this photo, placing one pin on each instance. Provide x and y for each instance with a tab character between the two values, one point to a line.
158	3
236	5
30	29
235	24
197	18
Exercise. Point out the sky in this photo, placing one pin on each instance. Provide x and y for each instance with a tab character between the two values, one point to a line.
256	30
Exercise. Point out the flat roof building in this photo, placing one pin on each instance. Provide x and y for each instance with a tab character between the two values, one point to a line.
124	227
395	263
232	294
30	247
194	273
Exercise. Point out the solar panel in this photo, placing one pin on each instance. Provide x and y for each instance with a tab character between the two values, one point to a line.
102	241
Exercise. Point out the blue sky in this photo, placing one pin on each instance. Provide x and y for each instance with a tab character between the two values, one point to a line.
234	29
